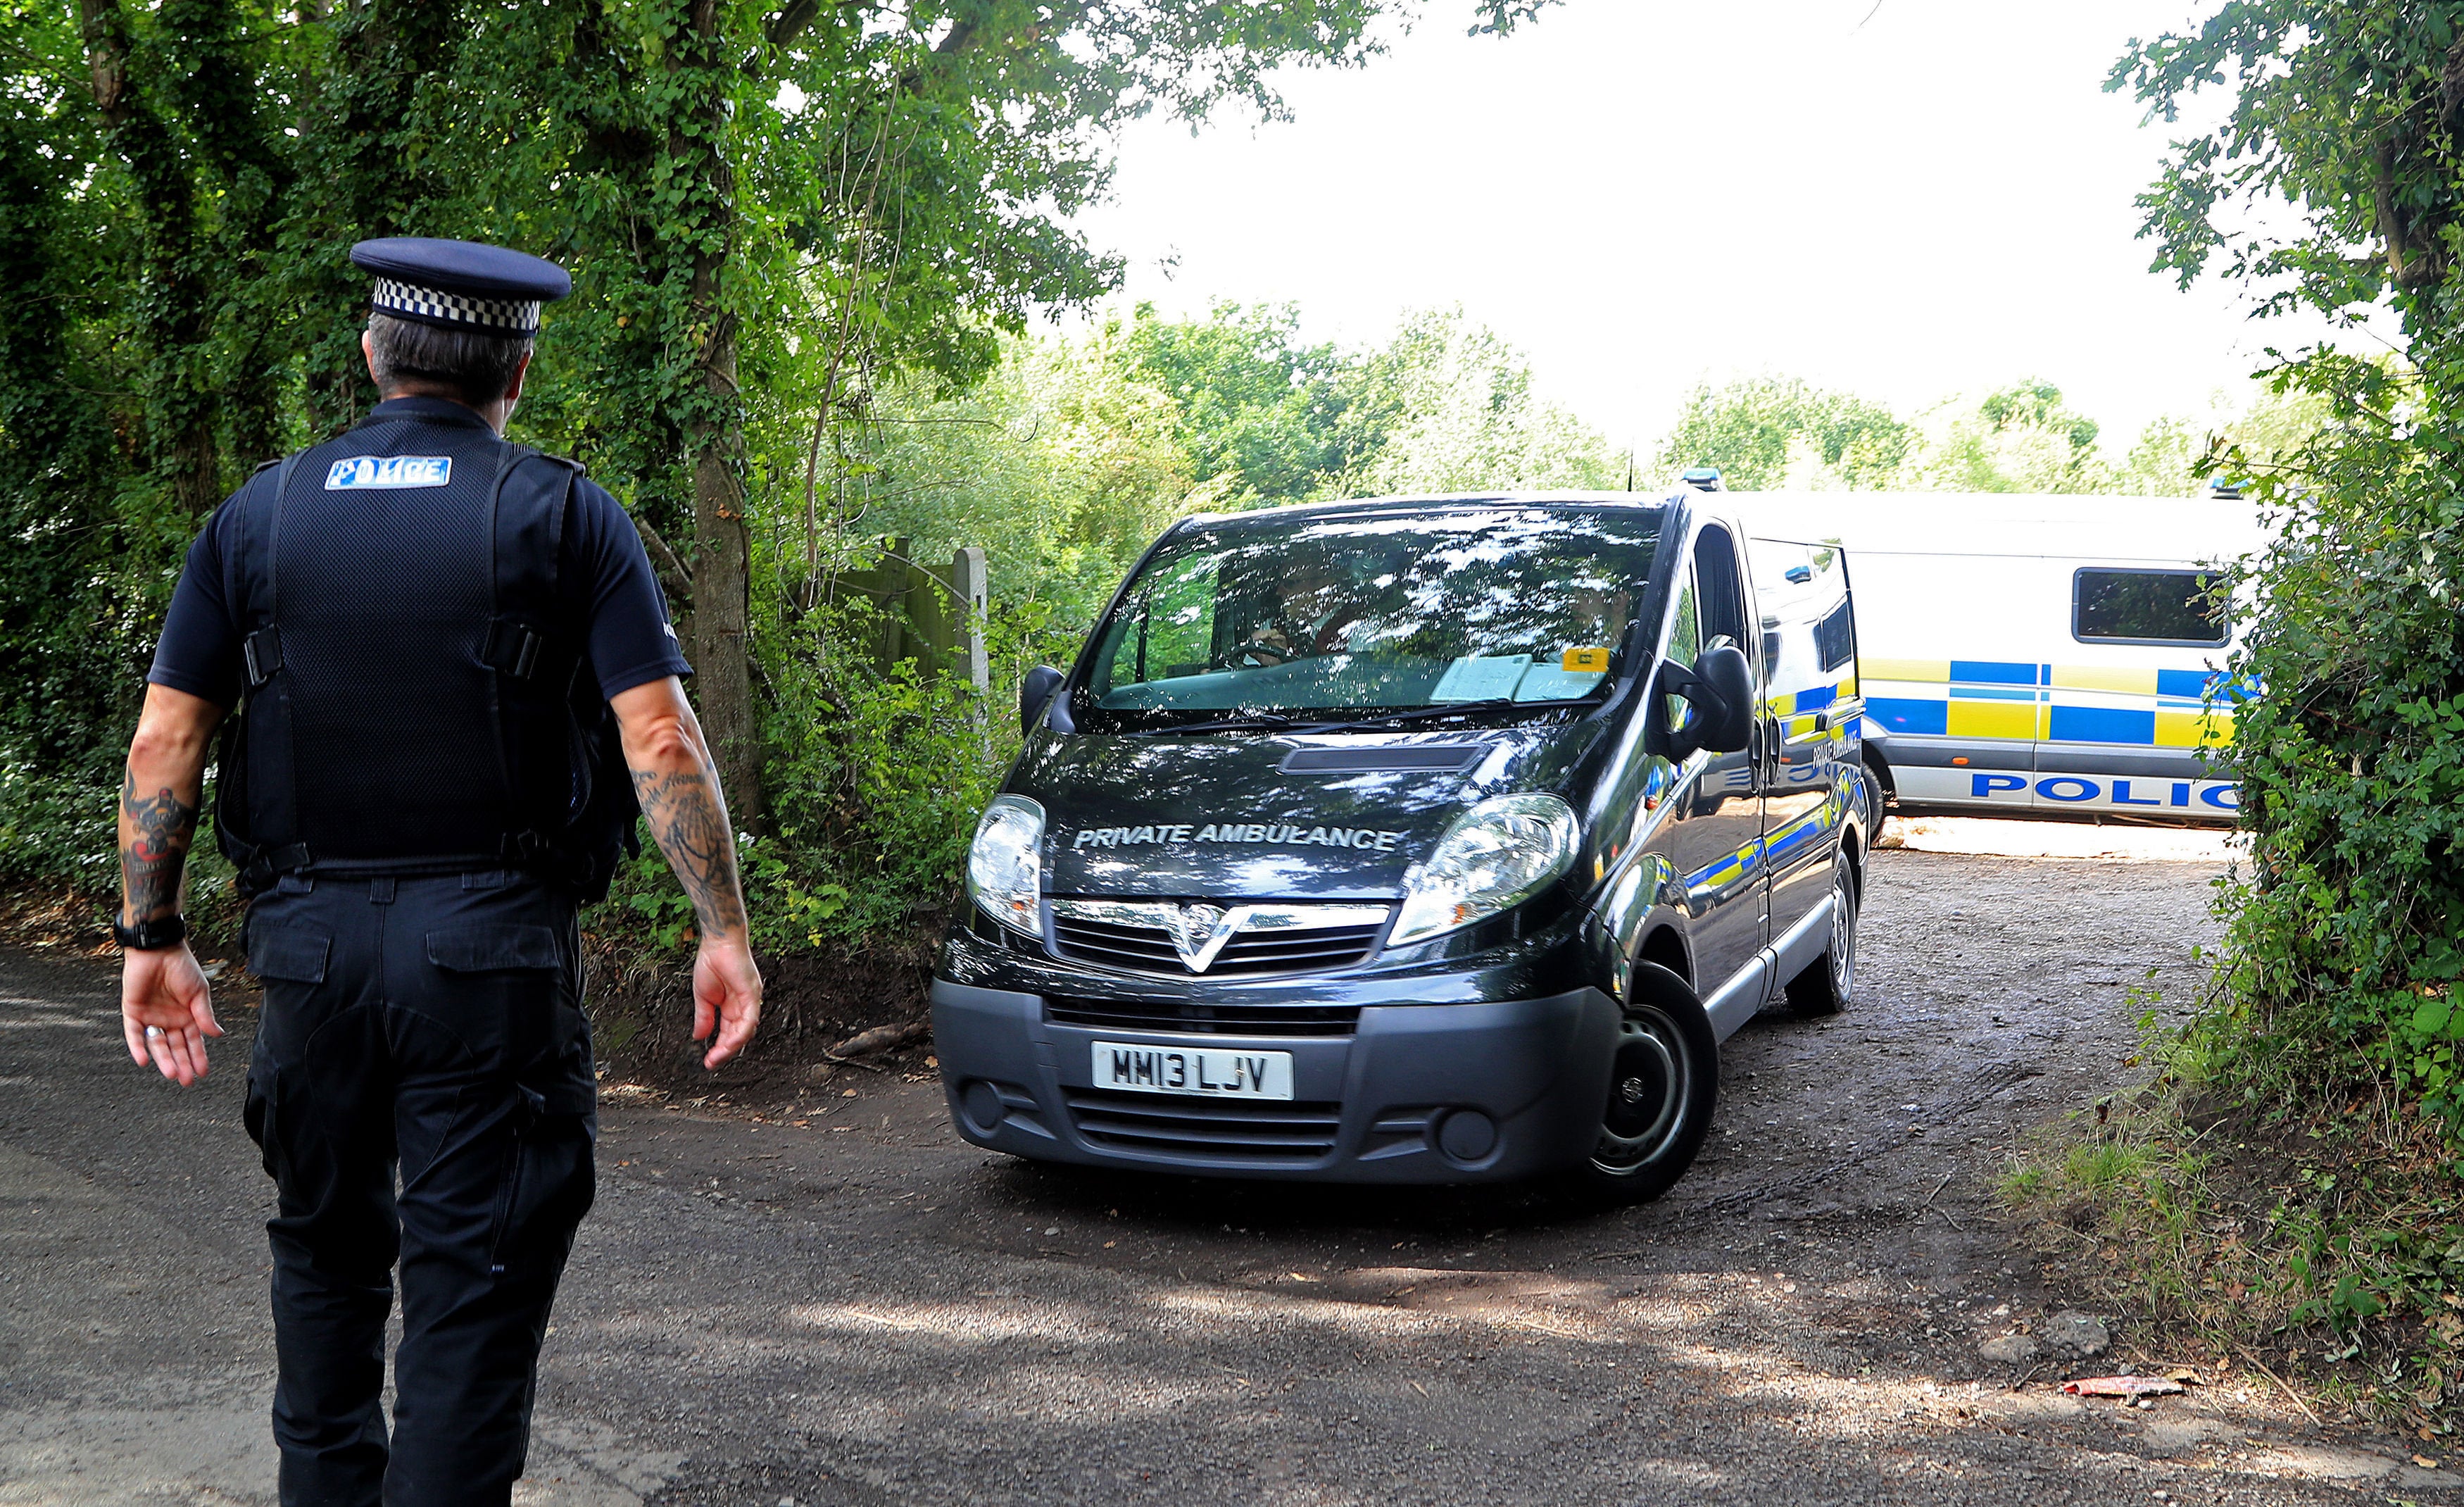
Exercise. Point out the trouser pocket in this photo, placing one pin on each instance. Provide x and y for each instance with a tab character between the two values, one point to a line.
257	1113
521	977
548	1183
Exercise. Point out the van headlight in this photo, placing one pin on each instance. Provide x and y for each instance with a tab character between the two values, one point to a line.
1495	857
1005	864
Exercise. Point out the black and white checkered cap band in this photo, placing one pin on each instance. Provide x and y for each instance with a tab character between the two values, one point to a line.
514	316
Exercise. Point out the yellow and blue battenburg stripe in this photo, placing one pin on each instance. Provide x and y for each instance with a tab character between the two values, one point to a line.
1991	699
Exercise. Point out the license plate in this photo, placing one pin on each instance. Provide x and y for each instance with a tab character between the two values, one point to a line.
1208	1072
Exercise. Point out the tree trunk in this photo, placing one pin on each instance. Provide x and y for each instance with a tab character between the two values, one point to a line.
367	186
722	554
721	595
180	397
245	161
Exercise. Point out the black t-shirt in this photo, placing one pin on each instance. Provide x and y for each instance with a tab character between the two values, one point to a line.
603	572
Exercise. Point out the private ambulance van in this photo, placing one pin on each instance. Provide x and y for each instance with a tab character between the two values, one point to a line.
2038	656
1415	840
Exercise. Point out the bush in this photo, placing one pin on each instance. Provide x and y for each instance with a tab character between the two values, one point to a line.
2287	1186
875	784
2342	958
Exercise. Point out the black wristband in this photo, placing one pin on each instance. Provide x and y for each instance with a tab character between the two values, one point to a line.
163	931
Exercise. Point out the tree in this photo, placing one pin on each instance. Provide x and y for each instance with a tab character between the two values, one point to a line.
1448	407
1262	414
2351	114
2335	181
1771	431
774	213
2019	439
2348	113
928	215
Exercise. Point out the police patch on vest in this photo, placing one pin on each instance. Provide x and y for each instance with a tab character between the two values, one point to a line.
389	471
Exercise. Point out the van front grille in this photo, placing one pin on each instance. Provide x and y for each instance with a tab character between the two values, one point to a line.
1165	1124
1148	936
1218	1020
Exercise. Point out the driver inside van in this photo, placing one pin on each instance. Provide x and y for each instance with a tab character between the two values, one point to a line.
1314	607
1596	615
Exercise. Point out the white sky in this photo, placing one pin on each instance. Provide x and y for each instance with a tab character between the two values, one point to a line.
1642	194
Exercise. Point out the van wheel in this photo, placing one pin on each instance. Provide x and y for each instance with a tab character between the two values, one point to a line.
1878	802
1662	1082
1830	982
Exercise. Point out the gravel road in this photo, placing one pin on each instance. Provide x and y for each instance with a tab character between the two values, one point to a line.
862	1309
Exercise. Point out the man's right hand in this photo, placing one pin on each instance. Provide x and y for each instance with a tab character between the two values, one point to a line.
727	997
166	1011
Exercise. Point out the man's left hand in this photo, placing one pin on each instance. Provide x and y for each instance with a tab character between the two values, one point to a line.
166	1011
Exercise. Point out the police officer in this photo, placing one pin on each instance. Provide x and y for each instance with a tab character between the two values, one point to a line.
456	680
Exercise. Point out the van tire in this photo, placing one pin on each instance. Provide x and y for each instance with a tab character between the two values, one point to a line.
1829	983
1663	1082
1877	798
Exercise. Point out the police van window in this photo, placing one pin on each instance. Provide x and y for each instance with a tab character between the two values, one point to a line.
2147	607
1372	611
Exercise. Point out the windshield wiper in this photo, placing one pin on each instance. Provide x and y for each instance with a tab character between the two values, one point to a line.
1258	722
1495	703
1277	722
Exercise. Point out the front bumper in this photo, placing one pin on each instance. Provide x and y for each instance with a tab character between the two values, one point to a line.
1474	1091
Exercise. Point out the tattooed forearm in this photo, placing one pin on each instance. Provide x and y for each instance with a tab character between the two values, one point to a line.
688	819
155	832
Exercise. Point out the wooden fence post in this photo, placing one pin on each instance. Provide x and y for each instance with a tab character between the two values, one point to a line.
938	624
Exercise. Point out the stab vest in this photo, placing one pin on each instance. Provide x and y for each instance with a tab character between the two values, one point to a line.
419	698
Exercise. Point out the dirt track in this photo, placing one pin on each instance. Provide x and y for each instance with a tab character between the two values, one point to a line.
865	1310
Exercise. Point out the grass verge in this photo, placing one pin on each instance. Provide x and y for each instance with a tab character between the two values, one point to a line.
2319	1242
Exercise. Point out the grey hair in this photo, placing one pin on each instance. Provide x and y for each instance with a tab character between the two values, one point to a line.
476	366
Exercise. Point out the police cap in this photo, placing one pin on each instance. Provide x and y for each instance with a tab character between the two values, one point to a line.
460	285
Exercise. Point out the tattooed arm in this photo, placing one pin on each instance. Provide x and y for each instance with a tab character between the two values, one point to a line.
687	814
162	990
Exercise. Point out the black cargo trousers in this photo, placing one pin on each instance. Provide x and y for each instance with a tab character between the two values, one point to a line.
423	1090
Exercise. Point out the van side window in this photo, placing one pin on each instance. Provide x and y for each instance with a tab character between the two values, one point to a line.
2147	607
1685	627
1722	585
1120	661
1835	639
1684	647
1803	592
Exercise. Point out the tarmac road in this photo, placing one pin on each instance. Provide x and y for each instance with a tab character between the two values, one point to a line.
865	1310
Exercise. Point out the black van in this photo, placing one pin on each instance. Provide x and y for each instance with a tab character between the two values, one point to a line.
1415	840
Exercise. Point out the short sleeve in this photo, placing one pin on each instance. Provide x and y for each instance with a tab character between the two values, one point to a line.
199	652
630	639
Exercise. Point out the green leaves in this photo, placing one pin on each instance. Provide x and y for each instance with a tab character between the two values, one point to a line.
2430	1019
784	226
2340	109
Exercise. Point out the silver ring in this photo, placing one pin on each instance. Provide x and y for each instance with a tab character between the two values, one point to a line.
153	1033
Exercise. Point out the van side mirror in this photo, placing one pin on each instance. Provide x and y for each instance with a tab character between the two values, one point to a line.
1721	690
1729	727
1034	689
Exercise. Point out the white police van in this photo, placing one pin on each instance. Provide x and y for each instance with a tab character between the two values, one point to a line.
2049	655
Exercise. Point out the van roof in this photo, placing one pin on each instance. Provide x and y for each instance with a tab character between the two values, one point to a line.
1446	500
2062	526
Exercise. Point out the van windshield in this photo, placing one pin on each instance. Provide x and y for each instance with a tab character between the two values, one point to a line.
1370	613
